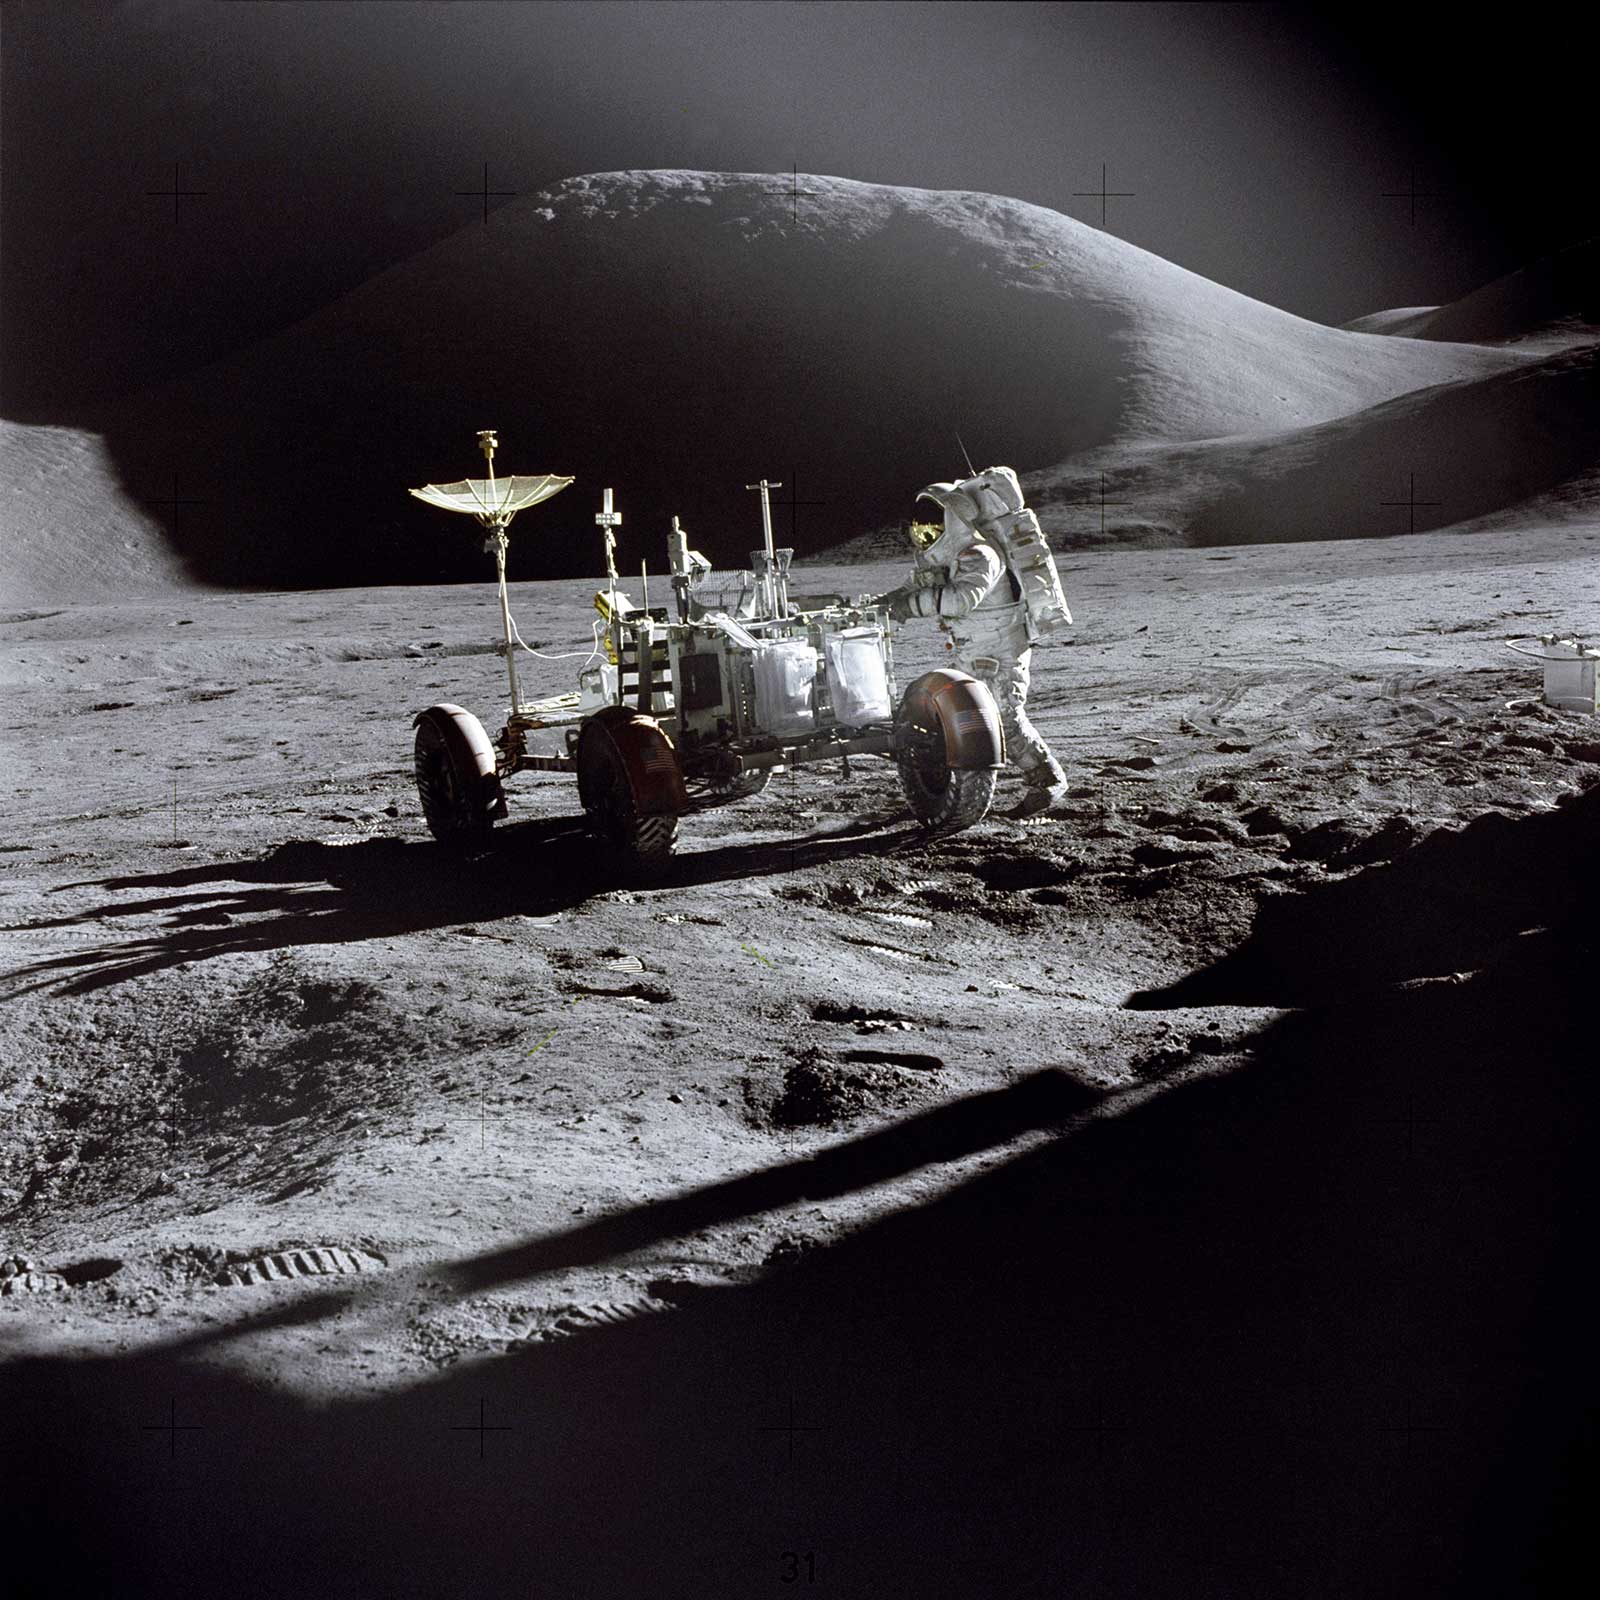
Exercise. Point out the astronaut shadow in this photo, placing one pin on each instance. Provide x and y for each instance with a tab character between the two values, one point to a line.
1313	1327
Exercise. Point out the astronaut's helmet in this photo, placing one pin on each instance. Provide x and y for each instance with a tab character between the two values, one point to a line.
960	512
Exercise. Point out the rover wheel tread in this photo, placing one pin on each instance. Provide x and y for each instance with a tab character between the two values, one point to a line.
654	839
946	801
725	791
644	843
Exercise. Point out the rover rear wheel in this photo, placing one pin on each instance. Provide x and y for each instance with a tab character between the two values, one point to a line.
645	843
723	791
945	800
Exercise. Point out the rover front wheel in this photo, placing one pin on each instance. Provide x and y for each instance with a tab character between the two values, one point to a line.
945	799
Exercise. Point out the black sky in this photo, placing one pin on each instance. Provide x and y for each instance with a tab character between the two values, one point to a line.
330	140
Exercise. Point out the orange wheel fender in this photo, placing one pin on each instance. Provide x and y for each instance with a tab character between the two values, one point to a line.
469	747
647	755
964	710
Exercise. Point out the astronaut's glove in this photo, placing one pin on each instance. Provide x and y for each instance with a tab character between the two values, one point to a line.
898	603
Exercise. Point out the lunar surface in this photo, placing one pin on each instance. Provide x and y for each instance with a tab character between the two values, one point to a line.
1179	1194
493	1215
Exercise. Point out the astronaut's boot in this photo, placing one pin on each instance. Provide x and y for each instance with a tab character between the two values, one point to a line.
1041	789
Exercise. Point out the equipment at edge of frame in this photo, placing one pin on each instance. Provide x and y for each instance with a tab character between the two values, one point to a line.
1571	671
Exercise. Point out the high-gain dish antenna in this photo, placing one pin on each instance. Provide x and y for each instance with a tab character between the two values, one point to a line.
494	502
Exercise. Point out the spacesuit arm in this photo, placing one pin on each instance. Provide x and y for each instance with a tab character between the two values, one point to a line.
976	571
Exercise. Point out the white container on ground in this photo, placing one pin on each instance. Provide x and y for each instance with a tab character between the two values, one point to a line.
857	678
785	672
1570	675
1571	672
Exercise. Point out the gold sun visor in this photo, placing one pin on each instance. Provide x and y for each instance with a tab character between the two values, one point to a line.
498	497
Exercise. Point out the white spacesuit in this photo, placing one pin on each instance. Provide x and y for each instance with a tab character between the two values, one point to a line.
962	578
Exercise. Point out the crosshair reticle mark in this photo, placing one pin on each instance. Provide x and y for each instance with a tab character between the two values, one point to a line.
484	1117
486	194
177	193
1102	194
791	1427
1411	1122
795	503
480	1427
1101	503
177	502
1409	1428
1099	1427
795	193
170	1126
172	1427
1412	194
1411	502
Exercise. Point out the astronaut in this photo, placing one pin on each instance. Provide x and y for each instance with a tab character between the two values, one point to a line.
962	577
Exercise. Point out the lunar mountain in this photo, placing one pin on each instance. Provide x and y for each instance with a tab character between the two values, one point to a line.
680	334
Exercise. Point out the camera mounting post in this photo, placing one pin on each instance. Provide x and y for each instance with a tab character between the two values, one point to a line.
608	520
773	572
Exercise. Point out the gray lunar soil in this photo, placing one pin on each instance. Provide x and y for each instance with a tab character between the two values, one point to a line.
251	1009
1149	1173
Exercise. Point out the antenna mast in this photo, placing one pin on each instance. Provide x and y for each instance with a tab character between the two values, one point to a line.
770	573
496	521
492	507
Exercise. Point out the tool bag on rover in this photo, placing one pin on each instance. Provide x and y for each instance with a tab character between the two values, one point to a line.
1004	517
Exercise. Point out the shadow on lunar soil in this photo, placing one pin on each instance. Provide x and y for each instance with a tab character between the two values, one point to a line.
309	893
1444	907
1310	1328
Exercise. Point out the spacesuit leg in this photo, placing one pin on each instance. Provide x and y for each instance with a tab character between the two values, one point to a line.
1001	656
1027	750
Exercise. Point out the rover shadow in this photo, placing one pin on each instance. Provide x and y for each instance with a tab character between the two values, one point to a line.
305	892
1314	1327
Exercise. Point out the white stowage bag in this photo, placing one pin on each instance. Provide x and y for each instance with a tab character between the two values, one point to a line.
785	670
856	677
597	686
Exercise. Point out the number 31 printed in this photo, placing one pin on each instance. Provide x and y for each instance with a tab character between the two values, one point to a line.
790	1572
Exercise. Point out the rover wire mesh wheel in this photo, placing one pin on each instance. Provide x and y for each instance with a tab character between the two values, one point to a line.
943	799
456	801
722	791
644	843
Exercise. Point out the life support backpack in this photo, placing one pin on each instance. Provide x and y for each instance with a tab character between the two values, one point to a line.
1004	517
